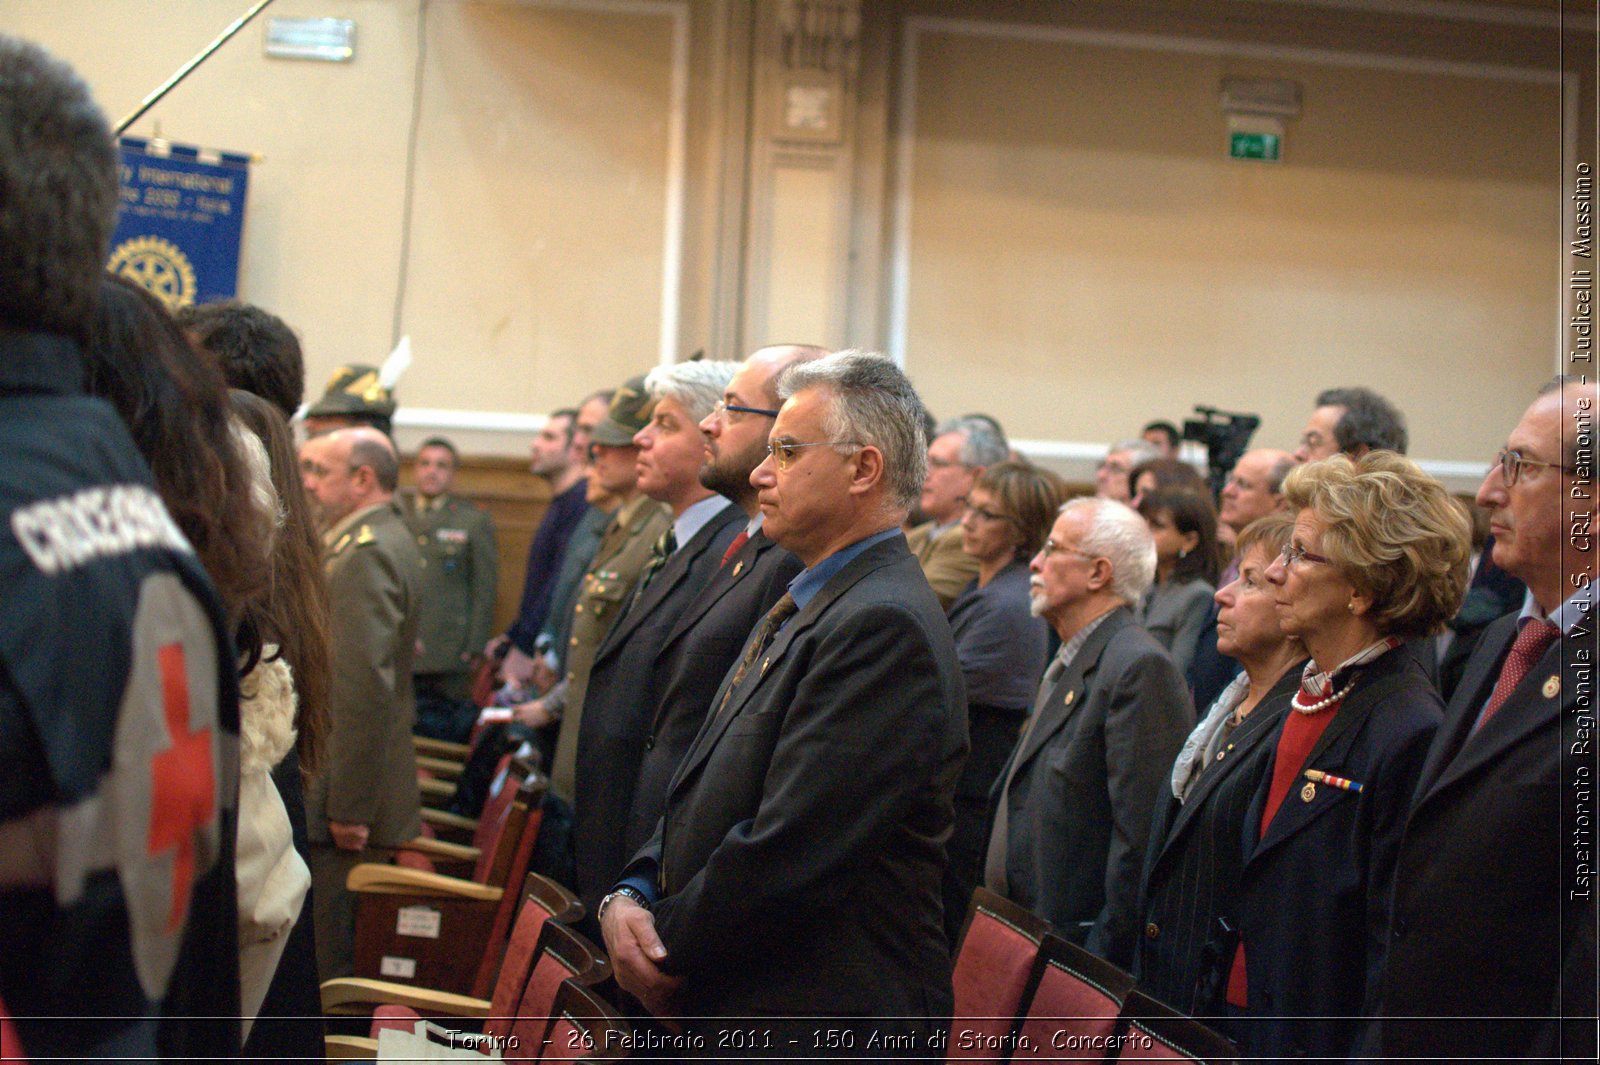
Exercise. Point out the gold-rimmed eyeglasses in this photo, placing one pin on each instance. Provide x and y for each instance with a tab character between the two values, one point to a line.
782	451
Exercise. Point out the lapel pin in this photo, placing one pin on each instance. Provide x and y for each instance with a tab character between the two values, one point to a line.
737	566
1068	700
1328	778
1308	793
1552	686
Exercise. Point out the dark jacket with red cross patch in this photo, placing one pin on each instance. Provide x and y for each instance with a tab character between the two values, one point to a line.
119	736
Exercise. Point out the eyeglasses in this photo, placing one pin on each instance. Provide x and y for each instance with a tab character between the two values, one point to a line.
1294	553
1051	548
724	408
1511	464
1312	441
986	515
782	452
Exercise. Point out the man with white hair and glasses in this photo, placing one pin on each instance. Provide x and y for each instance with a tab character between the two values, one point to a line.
1072	810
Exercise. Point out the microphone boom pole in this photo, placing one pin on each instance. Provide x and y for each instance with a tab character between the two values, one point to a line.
183	72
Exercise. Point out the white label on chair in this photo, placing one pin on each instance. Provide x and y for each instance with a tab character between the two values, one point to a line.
419	921
399	968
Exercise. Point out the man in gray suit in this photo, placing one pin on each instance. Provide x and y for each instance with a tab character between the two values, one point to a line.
1072	811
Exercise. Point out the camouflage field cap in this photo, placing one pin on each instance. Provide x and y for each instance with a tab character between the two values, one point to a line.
354	389
630	411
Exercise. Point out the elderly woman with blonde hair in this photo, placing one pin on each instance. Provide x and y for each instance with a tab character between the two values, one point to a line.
1378	556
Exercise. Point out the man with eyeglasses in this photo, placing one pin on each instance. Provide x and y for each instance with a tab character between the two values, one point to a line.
792	886
1491	944
1253	490
1071	813
961	450
1111	476
624	790
1351	421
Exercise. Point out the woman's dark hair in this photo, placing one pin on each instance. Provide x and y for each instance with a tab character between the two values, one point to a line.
1029	496
175	404
1189	513
294	612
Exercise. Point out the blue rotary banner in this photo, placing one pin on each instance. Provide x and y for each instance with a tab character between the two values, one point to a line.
180	220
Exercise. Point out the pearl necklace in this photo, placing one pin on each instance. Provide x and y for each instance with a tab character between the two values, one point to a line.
1320	704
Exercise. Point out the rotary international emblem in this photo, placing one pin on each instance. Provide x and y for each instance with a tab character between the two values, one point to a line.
158	265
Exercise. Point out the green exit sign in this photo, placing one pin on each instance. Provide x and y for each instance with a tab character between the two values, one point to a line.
1254	146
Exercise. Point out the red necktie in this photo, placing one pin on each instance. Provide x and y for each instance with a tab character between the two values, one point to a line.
733	548
1530	645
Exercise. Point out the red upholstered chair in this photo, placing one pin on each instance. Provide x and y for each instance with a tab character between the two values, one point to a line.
392	1004
1153	1031
446	932
563	956
438	848
993	962
10	1045
1072	1005
583	1028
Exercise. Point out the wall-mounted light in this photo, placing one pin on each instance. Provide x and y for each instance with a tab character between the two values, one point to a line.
331	40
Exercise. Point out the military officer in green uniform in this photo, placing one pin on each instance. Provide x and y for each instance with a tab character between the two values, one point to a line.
456	541
624	550
365	795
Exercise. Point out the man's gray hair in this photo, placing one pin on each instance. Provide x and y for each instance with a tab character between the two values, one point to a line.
1368	419
982	444
1117	532
873	404
696	386
1143	450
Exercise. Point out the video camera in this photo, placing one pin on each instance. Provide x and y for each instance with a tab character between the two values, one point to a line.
1226	435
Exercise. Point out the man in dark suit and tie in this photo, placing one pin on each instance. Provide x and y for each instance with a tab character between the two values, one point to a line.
625	790
796	870
624	683
1072	811
1492	930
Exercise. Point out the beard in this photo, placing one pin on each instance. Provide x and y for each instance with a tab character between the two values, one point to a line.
1038	602
728	475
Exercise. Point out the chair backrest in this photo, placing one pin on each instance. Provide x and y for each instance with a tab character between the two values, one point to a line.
543	900
508	869
10	1045
1154	1031
561	955
508	779
583	1028
1073	1002
993	962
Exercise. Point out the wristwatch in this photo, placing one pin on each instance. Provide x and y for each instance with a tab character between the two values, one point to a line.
625	891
